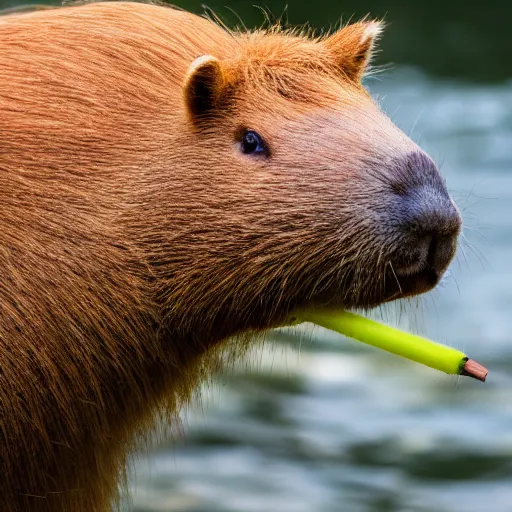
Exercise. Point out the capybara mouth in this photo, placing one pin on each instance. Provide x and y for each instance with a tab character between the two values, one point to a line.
410	285
380	289
396	287
424	274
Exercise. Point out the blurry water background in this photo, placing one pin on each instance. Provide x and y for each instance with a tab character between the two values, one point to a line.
319	423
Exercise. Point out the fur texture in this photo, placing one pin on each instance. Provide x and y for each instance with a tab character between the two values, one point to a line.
135	236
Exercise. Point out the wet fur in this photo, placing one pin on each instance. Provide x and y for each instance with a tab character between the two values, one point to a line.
125	261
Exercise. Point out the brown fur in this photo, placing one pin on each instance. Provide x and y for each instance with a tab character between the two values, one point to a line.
134	237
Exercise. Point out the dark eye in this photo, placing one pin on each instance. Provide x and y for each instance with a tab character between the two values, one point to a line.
253	144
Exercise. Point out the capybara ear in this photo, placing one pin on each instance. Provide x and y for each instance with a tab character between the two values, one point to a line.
352	47
204	85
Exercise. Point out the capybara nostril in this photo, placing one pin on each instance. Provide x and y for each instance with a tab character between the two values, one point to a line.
430	224
428	219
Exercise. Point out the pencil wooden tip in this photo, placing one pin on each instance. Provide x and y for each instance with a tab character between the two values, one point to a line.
475	370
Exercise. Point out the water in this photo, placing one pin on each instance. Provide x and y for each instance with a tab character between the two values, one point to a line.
336	426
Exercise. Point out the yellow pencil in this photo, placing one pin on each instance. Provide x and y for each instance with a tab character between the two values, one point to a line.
410	346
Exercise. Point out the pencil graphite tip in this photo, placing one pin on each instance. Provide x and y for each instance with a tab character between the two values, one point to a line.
474	370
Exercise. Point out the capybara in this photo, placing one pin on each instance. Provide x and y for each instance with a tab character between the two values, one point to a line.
169	188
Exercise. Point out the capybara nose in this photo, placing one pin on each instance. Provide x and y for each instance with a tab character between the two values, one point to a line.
429	220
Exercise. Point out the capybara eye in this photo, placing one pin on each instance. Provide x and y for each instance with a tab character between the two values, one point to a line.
253	144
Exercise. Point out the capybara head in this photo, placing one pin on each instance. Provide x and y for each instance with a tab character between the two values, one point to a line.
311	195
